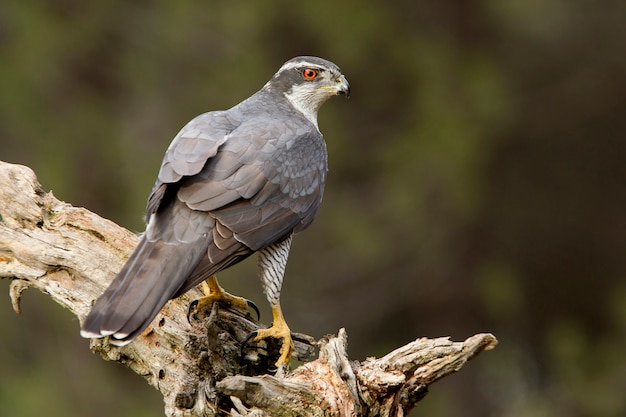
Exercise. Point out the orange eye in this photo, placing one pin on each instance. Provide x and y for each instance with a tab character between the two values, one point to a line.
309	73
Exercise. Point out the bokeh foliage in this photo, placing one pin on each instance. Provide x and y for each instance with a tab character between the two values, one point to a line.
477	181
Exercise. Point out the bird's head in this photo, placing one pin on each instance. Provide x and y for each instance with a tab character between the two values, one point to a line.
307	82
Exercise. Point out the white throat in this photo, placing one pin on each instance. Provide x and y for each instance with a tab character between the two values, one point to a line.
306	102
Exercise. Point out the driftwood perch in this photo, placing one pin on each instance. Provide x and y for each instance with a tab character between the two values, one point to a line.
200	368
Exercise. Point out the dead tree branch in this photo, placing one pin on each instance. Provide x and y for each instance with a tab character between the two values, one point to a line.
71	254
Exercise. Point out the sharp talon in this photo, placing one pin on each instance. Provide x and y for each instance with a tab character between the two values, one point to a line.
192	305
255	308
249	337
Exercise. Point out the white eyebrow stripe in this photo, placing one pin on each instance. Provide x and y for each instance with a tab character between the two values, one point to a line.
291	65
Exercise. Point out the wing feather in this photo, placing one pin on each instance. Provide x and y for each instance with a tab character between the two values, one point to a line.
195	144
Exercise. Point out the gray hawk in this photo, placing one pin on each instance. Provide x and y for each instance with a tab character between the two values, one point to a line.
231	183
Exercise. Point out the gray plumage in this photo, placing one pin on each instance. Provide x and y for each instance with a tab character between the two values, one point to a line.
231	183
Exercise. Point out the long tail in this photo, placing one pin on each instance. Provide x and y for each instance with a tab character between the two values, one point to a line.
154	272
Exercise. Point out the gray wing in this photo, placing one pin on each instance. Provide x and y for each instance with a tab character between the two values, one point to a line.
259	182
188	153
263	184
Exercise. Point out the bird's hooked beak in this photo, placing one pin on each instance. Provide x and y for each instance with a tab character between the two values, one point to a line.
342	86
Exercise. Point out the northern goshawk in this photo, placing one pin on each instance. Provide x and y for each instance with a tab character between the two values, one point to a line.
231	183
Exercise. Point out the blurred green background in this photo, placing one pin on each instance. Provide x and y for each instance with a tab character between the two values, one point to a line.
477	181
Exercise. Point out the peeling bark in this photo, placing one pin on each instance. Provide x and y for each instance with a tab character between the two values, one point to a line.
200	368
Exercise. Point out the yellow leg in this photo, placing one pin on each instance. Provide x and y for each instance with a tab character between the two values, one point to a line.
214	292
279	330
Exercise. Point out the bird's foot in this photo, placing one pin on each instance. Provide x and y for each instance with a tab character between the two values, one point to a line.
279	330
213	292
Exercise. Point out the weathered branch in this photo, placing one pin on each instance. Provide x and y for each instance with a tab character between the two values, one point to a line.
71	254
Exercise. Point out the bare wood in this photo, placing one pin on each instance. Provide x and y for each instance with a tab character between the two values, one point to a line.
72	254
